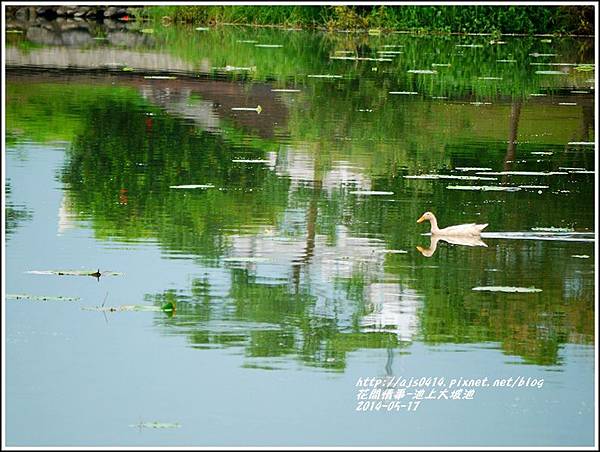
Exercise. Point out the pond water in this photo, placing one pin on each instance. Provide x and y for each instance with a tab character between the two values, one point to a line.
294	262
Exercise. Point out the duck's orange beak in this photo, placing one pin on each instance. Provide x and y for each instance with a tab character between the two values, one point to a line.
420	249
422	219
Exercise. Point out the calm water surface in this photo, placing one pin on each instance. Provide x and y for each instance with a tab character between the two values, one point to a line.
298	266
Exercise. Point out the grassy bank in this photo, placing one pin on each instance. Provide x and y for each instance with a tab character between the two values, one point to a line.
507	19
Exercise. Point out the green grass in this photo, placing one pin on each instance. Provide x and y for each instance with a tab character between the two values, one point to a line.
456	19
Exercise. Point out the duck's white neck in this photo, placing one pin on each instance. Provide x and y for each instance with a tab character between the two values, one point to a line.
434	225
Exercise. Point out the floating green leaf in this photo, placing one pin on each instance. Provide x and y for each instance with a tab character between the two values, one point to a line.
483	187
371	193
24	296
422	71
193	186
448	176
246	259
507	289
156	425
584	68
160	77
94	273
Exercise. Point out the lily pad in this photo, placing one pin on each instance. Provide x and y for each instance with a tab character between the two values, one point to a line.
257	109
483	187
585	68
95	273
24	296
251	161
235	68
448	176
156	425
525	173
371	193
246	259
551	72
472	168
552	64
507	289
324	76
160	77
166	307
193	186
534	187
355	58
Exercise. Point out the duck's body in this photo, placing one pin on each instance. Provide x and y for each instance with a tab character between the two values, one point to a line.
467	240
461	230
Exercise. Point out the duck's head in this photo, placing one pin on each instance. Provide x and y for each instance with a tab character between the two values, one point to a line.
426	216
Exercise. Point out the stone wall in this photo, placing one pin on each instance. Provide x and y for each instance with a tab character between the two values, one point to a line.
26	13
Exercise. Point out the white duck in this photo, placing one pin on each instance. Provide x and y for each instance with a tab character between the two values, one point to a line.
469	229
467	240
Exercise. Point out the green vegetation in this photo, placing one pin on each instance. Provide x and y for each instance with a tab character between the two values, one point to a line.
457	19
14	215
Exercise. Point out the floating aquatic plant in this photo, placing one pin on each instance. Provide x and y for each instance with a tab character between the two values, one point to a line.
257	109
156	424
483	187
24	296
371	193
507	289
324	76
448	176
193	186
251	161
93	273
160	77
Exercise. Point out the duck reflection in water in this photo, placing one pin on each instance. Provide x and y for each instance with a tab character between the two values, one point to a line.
458	240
